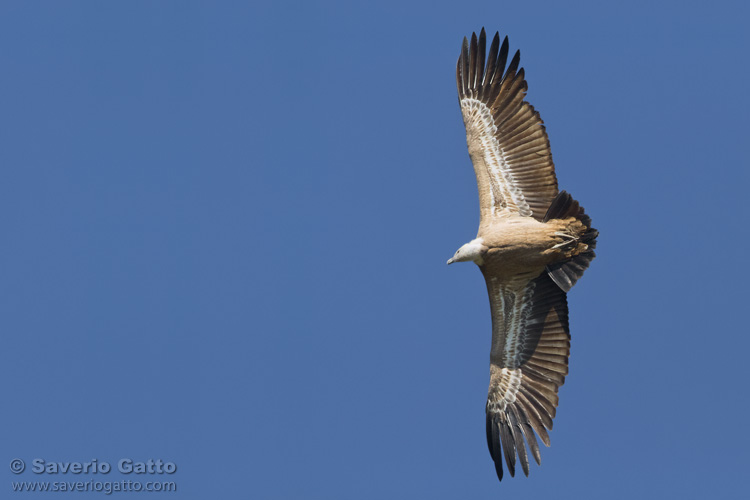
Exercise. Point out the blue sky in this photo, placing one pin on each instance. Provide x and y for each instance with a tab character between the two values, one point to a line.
225	229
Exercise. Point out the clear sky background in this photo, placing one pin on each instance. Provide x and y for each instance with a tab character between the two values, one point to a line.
225	227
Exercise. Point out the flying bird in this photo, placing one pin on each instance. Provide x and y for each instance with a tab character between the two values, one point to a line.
534	242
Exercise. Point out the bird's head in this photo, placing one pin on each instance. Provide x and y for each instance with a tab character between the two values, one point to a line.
473	250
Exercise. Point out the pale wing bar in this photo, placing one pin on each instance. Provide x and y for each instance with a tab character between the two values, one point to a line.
528	364
507	140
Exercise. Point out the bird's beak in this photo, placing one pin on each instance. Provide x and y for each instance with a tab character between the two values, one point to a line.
450	261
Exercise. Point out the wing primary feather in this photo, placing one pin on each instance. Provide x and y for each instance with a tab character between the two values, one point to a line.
491	64
501	60
535	419
480	61
540	412
509	449
508	100
473	64
465	66
490	441
495	449
548	406
459	81
496	80
505	92
528	433
513	66
518	438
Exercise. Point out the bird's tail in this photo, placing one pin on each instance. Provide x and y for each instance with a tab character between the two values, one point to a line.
567	272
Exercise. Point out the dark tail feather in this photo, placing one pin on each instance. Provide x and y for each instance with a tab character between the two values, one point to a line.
566	273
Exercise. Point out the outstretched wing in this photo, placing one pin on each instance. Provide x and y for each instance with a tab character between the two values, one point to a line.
507	140
528	363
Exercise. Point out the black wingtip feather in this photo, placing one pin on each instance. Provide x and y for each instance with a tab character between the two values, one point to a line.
518	439
481	47
481	77
473	54
503	57
491	64
506	441
493	442
513	66
464	66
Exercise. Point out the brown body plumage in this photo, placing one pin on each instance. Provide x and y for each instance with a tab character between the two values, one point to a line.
533	244
522	245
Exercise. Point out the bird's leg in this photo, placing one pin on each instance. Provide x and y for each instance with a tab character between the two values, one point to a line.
567	239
